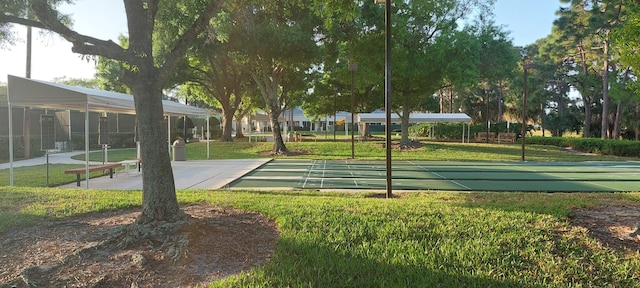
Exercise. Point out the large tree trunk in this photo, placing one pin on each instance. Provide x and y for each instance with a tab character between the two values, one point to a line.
605	91
227	124
404	119
586	129
159	201
278	144
240	114
585	99
239	132
617	121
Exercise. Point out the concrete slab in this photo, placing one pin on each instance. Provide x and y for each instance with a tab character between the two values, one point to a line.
54	158
192	174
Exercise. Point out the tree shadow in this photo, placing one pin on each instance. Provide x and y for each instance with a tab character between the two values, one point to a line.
323	266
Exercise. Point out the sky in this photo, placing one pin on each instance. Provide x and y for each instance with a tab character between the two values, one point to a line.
526	20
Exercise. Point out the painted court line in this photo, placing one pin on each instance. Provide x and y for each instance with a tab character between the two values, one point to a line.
604	186
324	170
415	175
309	170
439	175
355	182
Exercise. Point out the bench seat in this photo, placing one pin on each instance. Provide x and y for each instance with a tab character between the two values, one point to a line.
83	170
507	137
299	137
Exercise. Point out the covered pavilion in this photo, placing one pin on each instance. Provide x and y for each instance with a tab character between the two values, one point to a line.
23	92
416	118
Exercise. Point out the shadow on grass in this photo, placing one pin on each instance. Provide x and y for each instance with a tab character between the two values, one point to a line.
310	265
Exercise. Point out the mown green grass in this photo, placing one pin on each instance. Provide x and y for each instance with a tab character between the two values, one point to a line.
414	240
433	240
36	176
437	151
370	150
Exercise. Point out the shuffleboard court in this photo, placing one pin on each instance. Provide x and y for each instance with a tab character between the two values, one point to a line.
591	176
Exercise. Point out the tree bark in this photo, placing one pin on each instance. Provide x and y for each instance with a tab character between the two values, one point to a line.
617	121
586	130
227	124
159	201
404	121
279	148
267	78
239	132
605	90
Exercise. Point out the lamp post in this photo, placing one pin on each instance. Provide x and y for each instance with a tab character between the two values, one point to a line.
352	68
387	90
526	66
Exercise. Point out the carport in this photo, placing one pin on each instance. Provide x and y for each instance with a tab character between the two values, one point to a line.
416	118
23	92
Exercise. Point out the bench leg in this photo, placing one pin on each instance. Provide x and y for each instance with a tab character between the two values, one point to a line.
78	179
110	172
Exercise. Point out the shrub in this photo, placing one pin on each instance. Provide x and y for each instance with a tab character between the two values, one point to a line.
18	147
625	148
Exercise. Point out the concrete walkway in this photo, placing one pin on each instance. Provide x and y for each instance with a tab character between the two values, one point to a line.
195	174
54	158
192	174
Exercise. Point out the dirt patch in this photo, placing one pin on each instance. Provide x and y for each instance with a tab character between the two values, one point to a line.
72	252
613	226
412	145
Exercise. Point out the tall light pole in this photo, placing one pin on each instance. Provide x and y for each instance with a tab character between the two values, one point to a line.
352	68
526	66
387	90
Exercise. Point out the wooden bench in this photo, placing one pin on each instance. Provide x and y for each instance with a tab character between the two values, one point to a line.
506	137
481	137
83	170
299	137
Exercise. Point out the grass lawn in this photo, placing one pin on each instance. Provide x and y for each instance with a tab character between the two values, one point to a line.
439	151
414	240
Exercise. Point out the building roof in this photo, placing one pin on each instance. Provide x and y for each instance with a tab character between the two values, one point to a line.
23	92
415	117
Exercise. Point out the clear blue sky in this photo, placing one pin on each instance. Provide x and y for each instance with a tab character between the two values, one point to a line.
526	20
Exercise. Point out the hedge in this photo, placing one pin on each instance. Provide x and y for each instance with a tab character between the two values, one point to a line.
624	148
18	147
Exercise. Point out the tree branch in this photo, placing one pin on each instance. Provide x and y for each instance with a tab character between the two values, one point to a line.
4	18
82	44
184	42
